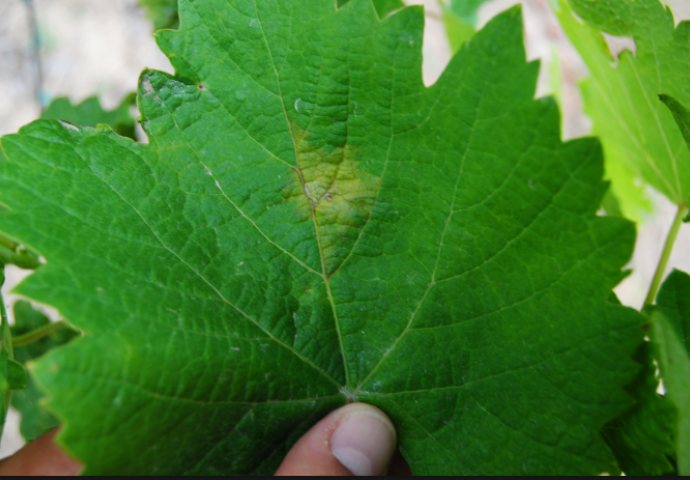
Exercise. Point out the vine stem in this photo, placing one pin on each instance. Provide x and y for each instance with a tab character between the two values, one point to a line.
666	254
9	244
38	334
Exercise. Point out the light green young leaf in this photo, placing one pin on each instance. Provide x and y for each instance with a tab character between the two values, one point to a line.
457	30
310	225
35	420
641	139
385	7
465	10
460	20
89	113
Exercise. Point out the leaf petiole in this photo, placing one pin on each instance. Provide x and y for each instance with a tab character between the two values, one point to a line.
8	244
666	254
16	254
38	334
6	353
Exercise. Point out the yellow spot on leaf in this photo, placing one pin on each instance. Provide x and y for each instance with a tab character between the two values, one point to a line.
340	192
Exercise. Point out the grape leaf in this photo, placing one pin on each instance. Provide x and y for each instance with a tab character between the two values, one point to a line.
465	10
34	419
162	13
385	7
640	137
89	113
670	337
310	225
460	19
458	31
641	439
674	303
680	114
672	334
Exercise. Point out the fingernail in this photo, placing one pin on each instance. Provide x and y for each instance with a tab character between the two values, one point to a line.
364	442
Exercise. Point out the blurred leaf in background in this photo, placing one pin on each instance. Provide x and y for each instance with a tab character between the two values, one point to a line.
460	19
90	113
163	13
385	7
642	142
35	420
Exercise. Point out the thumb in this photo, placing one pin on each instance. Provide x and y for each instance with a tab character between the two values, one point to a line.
40	457
356	439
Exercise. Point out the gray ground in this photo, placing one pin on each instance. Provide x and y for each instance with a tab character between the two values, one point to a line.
100	47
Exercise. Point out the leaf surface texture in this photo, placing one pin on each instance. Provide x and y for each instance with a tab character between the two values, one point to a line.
311	225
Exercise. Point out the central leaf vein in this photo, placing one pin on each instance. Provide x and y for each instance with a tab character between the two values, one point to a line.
311	203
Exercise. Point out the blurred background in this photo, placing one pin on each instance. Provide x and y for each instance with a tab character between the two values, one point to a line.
81	48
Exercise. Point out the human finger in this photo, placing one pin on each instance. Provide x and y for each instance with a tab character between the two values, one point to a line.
41	457
357	439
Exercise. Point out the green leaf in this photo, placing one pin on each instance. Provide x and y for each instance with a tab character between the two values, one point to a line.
457	30
641	438
611	205
465	10
4	386
674	364
163	13
311	225
16	375
680	114
674	303
640	137
385	7
460	19
34	418
89	113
